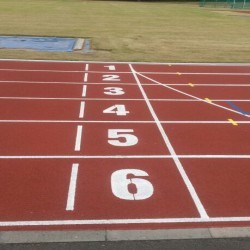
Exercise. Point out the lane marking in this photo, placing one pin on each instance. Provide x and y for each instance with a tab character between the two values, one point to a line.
208	100
72	188
233	122
25	157
127	72
115	99
84	90
86	74
191	84
82	109
178	164
125	121
87	67
85	79
123	221
43	70
149	84
186	94
125	63
78	138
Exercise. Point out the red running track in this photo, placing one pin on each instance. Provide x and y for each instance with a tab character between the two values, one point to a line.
124	146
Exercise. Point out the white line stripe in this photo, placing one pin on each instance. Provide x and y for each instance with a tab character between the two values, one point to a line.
199	73
87	67
84	90
124	83
122	63
78	138
123	221
116	99
42	70
132	121
186	94
178	164
40	82
69	83
125	72
82	109
23	157
72	188
86	77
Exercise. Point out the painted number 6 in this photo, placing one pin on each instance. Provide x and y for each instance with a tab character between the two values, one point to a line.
127	184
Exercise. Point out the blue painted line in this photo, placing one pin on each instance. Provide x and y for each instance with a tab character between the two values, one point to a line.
235	107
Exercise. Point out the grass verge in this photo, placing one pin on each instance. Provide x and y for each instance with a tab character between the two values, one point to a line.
130	31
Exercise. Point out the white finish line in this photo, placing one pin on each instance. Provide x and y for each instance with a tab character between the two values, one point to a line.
123	221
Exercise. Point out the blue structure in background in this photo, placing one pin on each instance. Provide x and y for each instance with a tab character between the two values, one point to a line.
52	44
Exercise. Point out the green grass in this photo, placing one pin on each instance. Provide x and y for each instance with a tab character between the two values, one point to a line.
130	31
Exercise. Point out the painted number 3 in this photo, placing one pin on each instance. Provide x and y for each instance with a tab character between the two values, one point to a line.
129	184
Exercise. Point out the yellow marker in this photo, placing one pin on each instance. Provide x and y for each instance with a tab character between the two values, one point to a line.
208	100
178	73
233	122
191	84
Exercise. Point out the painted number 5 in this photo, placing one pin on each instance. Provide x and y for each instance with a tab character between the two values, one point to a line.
128	184
122	137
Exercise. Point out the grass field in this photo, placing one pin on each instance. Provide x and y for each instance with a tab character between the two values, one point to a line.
130	31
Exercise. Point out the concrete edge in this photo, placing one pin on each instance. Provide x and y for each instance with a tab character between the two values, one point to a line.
79	44
51	236
121	235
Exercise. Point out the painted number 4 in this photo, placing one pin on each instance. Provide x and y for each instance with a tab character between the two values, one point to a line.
129	184
118	109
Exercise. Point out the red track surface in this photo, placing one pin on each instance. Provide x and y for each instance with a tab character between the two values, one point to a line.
109	145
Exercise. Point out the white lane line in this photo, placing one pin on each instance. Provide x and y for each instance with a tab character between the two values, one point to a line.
123	221
115	99
126	121
82	109
84	90
72	188
42	70
123	83
194	97
178	164
87	67
125	72
40	82
85	79
197	73
78	138
20	157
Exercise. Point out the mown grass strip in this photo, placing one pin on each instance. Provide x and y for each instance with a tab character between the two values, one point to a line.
130	31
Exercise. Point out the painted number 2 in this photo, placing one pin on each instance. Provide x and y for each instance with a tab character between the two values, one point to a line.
129	184
111	78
